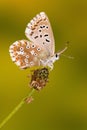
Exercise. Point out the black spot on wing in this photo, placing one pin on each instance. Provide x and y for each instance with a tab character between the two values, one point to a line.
45	35
36	37
39	30
47	40
40	36
41	26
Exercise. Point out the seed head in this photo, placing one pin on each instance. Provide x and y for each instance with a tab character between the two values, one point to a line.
39	78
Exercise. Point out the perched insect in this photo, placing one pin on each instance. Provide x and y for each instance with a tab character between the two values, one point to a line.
40	49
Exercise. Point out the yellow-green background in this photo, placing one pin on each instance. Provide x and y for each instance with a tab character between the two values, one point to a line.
62	104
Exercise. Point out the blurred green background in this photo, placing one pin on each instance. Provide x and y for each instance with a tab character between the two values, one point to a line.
62	104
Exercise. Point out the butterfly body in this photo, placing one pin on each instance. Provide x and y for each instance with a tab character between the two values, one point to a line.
49	62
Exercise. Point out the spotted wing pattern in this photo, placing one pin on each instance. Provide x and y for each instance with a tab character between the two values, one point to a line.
26	54
40	47
40	32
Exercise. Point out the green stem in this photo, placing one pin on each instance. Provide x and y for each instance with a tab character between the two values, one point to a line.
16	109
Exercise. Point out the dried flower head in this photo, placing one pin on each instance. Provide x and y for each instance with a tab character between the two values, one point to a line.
39	78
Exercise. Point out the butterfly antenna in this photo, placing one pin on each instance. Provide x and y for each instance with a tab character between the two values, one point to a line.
59	53
69	57
66	47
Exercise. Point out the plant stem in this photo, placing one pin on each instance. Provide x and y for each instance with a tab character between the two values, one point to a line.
16	109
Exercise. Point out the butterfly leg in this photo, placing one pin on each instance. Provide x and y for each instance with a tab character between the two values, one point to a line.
51	66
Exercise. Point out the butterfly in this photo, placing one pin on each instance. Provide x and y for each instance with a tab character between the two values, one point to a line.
39	50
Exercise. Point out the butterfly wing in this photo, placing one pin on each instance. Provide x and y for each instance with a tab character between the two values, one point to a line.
40	32
26	54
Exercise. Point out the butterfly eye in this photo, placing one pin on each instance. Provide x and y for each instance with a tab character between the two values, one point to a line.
57	56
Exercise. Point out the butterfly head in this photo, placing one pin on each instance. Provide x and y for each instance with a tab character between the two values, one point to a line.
56	56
